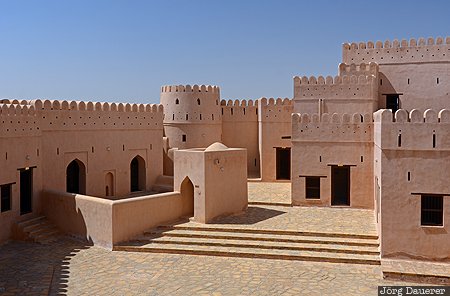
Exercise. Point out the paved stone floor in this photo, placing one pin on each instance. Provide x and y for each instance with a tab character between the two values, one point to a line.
269	192
70	268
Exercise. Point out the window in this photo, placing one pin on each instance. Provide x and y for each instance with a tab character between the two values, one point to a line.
198	101
5	194
183	138
312	187
432	210
177	101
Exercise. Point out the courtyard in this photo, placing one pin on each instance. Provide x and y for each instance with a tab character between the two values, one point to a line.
72	267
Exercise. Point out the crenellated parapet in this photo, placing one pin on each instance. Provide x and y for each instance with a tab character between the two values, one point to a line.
239	110
391	52
76	115
365	69
414	130
346	87
185	104
334	127
18	120
275	110
189	88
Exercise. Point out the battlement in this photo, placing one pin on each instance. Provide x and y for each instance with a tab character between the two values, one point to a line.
275	110
238	103
334	127
415	130
414	116
239	110
189	88
404	51
18	120
48	105
337	80
366	69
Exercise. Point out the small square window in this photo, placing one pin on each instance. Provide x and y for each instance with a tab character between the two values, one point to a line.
183	138
5	200
432	210
312	187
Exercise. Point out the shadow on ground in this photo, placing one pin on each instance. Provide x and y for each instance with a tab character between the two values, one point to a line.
28	268
251	216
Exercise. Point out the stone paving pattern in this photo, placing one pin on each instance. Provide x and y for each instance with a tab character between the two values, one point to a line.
269	192
71	267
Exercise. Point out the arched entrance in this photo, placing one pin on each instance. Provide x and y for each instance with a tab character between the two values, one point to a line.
187	192
109	184
137	174
76	177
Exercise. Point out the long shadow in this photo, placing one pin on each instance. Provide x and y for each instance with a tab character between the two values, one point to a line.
253	215
31	268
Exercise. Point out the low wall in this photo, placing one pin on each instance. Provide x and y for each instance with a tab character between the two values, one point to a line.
80	215
104	222
131	217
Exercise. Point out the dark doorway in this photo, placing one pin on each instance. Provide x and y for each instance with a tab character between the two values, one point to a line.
393	102
137	174
26	191
340	185
187	192
76	177
283	163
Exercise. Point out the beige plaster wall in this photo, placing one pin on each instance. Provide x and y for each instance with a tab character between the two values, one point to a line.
240	130
348	93
20	147
401	232
132	216
84	216
201	123
219	179
410	68
339	139
274	123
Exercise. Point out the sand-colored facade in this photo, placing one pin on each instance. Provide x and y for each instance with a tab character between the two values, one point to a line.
374	136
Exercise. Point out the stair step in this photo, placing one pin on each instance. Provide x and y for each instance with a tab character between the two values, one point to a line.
46	234
253	253
296	239
162	188
41	229
32	221
271	245
221	228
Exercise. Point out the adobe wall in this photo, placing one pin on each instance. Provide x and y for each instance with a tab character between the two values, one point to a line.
406	144
274	130
20	147
240	130
105	137
201	123
218	177
344	93
416	69
332	140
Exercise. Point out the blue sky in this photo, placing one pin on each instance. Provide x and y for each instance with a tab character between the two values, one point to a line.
125	50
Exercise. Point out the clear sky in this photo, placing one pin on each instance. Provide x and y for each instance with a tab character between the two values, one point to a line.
125	50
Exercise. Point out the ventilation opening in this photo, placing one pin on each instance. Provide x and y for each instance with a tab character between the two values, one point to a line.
408	80
177	101
409	176
183	138
434	139
244	111
437	80
198	101
200	117
381	81
212	116
362	158
399	140
187	116
173	116
320	158
231	111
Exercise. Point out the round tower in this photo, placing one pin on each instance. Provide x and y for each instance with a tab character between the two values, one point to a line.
192	115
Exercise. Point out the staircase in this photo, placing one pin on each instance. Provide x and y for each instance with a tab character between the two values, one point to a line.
229	240
39	230
163	184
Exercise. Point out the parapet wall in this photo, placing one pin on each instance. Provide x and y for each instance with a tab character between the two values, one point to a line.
365	69
332	127
404	51
188	88
429	130
275	110
339	87
75	115
239	110
18	120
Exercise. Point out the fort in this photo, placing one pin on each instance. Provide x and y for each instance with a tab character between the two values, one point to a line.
376	136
